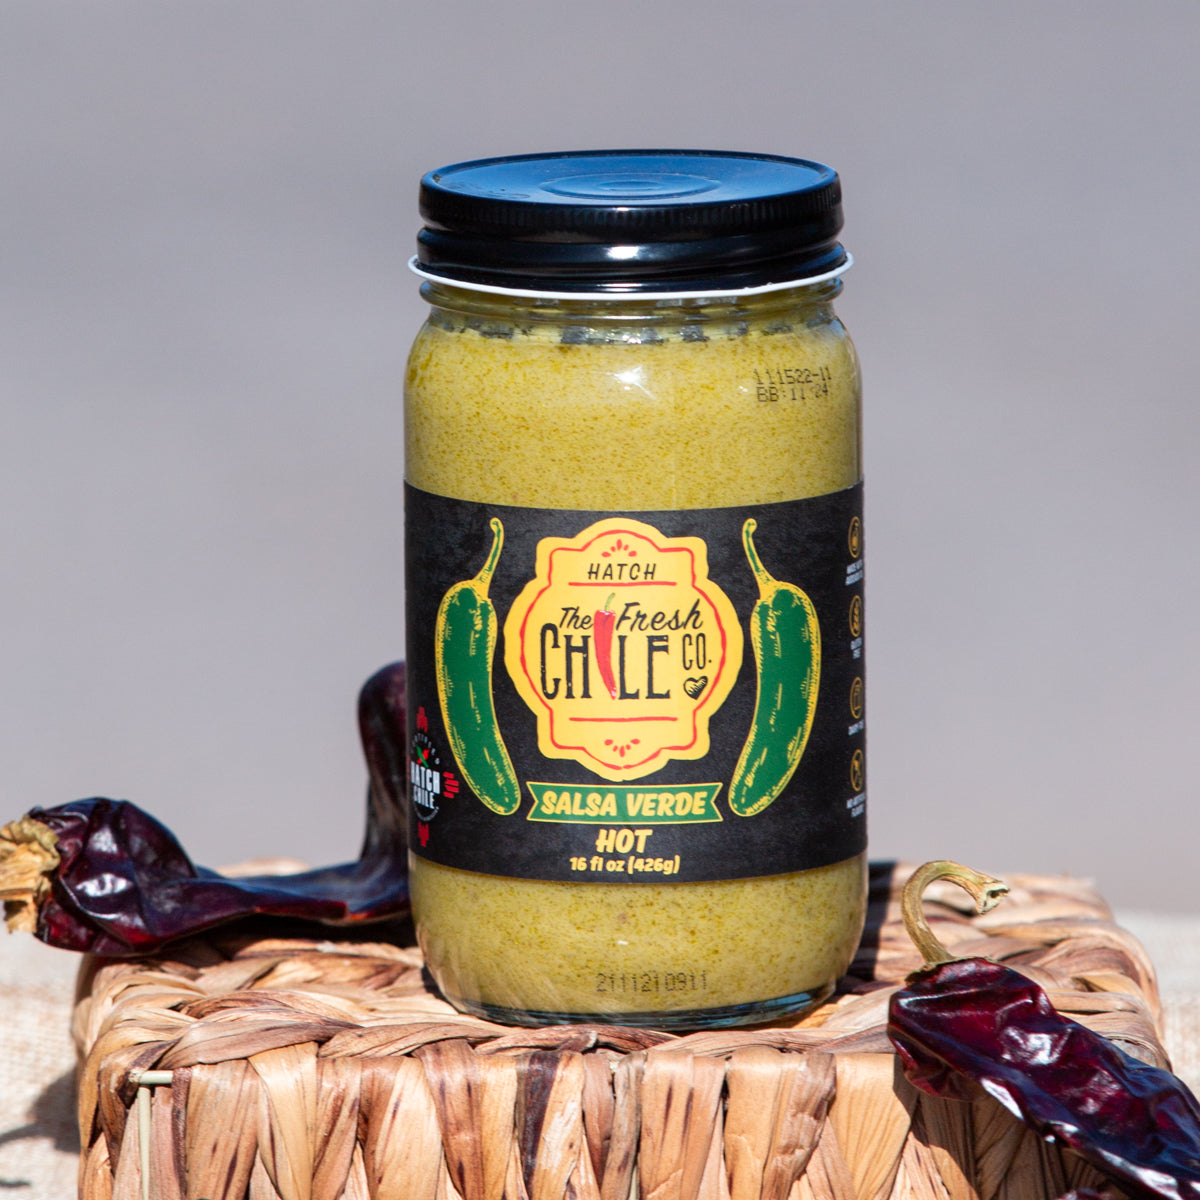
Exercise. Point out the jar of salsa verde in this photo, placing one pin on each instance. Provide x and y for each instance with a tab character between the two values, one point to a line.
634	575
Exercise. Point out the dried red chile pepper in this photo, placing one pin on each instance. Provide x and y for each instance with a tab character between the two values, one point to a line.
123	885
961	1024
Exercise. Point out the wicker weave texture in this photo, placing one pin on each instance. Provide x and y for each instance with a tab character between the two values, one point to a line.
306	1070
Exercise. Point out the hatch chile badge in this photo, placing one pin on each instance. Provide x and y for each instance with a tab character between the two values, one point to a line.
623	648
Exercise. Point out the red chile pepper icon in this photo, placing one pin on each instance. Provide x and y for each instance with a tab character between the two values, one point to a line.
602	627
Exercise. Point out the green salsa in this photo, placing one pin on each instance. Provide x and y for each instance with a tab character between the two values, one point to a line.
507	401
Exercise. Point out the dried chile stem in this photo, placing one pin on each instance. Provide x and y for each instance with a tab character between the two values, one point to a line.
28	858
983	889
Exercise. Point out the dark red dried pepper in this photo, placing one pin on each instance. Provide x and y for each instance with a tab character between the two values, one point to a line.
962	1024
117	882
603	623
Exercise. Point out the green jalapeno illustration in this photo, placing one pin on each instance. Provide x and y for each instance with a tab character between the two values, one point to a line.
787	651
465	641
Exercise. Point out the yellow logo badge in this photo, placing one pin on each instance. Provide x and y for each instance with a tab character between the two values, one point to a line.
623	648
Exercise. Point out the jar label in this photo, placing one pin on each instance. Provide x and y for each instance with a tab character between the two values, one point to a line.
648	696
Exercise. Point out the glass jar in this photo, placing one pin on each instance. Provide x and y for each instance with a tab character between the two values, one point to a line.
634	572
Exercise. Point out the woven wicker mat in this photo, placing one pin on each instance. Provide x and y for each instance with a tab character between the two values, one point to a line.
314	1069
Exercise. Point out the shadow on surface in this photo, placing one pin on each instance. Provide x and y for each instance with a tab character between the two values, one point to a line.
53	1119
880	882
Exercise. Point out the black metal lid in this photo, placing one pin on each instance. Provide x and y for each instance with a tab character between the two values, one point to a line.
631	221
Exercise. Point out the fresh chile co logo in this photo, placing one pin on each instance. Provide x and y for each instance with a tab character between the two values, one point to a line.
428	783
622	647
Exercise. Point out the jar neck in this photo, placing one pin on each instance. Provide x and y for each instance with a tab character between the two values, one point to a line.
804	303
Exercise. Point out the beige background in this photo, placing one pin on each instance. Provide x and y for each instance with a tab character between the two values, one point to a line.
205	209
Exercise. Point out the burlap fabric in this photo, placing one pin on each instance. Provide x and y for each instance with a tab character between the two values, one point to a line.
39	1142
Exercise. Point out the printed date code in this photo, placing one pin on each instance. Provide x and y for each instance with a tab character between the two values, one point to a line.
614	982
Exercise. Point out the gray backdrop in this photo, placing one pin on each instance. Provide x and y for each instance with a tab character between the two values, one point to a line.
205	209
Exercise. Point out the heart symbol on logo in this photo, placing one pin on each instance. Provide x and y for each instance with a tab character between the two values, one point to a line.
695	686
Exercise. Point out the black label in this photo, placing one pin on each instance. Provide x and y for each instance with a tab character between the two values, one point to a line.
639	697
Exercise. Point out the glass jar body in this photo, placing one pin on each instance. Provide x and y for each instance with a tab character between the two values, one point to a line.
628	405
